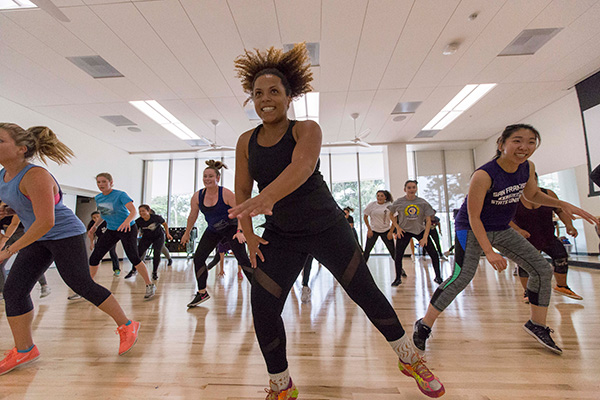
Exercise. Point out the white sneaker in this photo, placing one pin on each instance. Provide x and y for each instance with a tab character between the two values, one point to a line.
305	298
74	296
45	291
150	291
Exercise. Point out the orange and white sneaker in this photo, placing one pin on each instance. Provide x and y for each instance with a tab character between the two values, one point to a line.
128	335
13	359
566	291
428	383
291	393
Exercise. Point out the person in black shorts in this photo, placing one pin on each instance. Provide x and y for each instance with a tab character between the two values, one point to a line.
302	218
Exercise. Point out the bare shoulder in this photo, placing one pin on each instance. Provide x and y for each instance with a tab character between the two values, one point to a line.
306	128
243	140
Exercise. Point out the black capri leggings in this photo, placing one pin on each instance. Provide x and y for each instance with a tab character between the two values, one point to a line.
208	241
401	244
110	238
157	245
70	257
389	243
560	259
338	251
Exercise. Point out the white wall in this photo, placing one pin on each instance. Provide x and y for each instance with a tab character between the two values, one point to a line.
396	168
92	155
562	148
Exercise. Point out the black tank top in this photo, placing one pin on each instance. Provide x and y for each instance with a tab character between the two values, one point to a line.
309	209
217	216
537	221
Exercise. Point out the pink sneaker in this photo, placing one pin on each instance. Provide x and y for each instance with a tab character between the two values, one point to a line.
428	384
128	335
13	359
291	393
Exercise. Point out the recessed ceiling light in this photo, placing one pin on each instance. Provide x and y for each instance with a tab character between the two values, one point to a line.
164	118
399	118
12	4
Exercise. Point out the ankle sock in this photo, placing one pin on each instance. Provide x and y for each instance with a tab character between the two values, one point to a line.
26	351
405	349
280	381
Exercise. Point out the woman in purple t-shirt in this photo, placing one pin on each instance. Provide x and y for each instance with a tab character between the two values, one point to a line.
483	224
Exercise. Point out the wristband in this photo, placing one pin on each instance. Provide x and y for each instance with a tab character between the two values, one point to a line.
240	231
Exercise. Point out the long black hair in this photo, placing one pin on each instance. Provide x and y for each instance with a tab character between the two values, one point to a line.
509	130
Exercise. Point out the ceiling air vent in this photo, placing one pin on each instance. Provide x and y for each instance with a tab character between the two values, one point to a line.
529	41
313	51
96	67
118	120
406	107
426	134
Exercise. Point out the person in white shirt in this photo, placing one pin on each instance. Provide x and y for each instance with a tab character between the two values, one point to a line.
377	220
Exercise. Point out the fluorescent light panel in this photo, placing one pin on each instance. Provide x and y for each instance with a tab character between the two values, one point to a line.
12	4
468	96
307	107
161	116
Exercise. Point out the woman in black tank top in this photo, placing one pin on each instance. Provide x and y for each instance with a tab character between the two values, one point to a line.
282	156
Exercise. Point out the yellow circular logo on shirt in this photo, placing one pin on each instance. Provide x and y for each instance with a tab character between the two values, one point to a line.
411	211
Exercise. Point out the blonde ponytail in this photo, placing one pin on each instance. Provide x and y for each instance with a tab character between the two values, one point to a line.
40	141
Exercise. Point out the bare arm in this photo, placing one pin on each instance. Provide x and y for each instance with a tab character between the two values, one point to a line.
564	217
308	138
243	192
229	199
533	194
41	188
167	234
126	225
517	228
423	241
191	220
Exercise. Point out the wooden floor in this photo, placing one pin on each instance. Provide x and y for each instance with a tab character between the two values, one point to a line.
478	348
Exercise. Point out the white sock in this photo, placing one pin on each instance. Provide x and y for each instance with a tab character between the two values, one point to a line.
405	349
280	381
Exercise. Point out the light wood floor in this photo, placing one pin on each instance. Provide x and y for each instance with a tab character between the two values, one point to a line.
478	348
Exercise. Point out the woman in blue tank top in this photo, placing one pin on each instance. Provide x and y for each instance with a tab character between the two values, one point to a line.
52	234
302	218
214	201
483	224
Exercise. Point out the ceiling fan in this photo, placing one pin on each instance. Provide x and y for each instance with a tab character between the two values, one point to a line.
358	137
212	145
50	8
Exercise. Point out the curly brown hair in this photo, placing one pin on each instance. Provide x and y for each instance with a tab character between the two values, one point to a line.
292	67
216	166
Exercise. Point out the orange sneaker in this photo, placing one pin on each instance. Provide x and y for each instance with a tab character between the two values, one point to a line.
13	359
428	383
129	335
291	393
566	291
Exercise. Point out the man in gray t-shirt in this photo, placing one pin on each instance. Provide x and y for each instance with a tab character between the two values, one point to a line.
413	221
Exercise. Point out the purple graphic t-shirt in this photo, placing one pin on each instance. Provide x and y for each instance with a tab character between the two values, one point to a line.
501	200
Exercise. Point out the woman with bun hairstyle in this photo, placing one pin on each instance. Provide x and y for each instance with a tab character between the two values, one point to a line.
154	229
52	234
214	201
302	218
117	209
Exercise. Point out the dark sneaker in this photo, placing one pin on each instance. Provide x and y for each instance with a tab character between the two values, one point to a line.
397	282
131	274
542	335
403	273
438	280
421	334
199	299
169	262
154	276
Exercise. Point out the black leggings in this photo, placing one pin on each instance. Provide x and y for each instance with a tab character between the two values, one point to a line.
110	238
306	269
208	242
389	243
70	257
556	250
15	236
435	238
401	244
157	245
338	251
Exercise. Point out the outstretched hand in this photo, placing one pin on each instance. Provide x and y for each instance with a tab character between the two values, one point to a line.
260	204
572	210
253	241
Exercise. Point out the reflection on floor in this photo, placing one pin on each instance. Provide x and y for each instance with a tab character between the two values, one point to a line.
478	348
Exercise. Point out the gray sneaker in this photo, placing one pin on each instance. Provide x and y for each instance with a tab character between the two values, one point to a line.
542	335
421	334
150	291
74	296
45	291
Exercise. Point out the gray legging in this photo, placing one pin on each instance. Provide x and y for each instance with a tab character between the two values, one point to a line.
512	245
15	236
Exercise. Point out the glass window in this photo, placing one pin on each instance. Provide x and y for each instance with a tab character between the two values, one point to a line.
157	182
182	189
371	180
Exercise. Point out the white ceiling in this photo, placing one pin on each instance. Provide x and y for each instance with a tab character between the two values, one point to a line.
373	54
